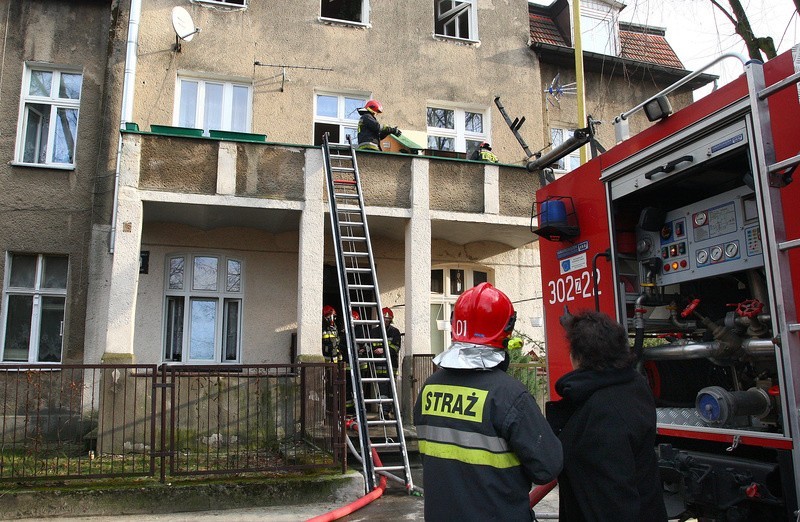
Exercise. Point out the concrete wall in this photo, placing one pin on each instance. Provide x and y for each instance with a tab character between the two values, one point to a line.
44	210
397	60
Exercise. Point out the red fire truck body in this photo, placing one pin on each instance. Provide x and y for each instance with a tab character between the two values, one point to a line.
688	233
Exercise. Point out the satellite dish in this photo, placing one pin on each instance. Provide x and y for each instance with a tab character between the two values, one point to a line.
183	24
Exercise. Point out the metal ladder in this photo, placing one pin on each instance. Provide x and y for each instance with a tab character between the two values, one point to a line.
774	178
358	287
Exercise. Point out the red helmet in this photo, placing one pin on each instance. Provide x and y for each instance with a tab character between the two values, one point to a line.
374	106
388	315
355	315
328	310
483	315
485	145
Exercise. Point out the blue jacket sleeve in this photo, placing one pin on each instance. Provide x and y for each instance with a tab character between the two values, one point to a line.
531	438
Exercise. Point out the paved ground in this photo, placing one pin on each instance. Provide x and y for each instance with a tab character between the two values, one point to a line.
394	505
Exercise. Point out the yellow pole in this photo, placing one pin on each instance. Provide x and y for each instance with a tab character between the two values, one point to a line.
580	91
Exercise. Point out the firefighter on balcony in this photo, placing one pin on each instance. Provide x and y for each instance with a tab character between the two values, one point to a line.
370	132
482	438
484	153
381	369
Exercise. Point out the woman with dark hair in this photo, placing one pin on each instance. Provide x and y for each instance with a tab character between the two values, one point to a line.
606	421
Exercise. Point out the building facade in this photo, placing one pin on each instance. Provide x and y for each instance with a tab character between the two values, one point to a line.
200	234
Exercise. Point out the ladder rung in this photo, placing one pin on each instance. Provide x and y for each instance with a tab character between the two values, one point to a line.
794	327
340	156
347	208
375	379
772	89
360	287
345	196
343	182
378	401
788	245
351	224
358	270
356	254
381	422
354	238
385	444
363	303
785	164
372	359
389	468
343	169
365	321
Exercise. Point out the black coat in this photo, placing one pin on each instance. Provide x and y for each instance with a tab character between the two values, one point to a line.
606	422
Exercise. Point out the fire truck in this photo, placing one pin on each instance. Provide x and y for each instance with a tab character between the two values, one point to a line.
688	234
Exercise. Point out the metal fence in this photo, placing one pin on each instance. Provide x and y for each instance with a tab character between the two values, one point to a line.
92	421
533	375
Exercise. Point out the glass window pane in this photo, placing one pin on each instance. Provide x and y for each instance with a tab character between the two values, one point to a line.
351	106
473	122
51	329
41	83
437	281
205	273
234	282
18	327
327	106
479	277
456	282
188	104
70	86
352	132
174	321
472	146
439	325
230	338
440	143
55	272
23	271
66	126
37	124
213	107
176	271
441	118
239	112
203	323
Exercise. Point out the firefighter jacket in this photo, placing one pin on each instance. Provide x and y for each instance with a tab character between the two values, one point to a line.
330	342
482	438
606	422
394	338
370	131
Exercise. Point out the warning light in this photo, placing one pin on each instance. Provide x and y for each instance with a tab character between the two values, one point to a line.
683	263
666	267
675	265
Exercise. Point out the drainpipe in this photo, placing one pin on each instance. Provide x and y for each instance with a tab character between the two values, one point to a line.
128	85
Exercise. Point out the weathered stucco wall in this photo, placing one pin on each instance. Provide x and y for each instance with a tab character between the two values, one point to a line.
394	60
179	164
269	172
46	210
517	191
456	186
385	180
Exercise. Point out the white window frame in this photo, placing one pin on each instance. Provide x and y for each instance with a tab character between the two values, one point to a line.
444	301
38	293
566	163
221	296
364	16
227	102
234	4
600	30
452	6
55	104
459	133
343	120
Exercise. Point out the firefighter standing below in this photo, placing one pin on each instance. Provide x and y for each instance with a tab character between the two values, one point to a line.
606	422
381	370
370	132
330	335
482	437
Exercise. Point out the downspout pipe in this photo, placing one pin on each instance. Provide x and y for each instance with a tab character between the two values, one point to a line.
128	85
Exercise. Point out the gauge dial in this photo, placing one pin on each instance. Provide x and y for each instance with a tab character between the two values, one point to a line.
731	249
716	253
702	256
700	219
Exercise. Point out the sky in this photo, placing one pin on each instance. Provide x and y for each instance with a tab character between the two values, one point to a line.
699	32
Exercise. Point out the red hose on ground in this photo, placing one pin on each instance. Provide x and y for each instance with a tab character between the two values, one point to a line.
343	511
539	492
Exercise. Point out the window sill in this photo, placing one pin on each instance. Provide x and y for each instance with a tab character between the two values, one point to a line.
461	41
50	166
226	5
344	23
